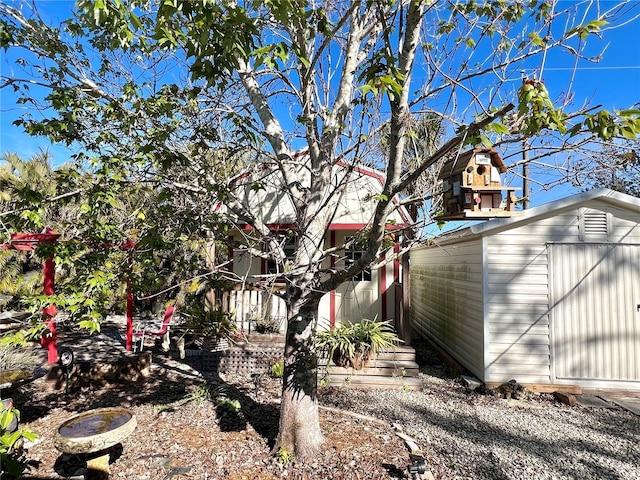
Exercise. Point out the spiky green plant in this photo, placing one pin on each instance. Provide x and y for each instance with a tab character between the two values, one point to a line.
353	343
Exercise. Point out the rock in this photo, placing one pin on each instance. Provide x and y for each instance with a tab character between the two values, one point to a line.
470	382
511	389
566	398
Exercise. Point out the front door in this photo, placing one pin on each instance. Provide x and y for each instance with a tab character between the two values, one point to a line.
358	298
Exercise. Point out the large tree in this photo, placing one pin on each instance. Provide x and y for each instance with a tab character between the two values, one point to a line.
267	78
616	165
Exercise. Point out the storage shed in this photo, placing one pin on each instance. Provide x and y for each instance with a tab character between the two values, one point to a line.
552	297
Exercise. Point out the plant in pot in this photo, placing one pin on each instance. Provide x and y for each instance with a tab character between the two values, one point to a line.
208	325
266	325
354	344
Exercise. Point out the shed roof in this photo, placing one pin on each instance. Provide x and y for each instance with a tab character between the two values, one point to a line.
550	209
457	164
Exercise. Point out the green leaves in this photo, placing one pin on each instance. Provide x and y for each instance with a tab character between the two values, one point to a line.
274	56
10	460
6	35
583	31
381	76
536	110
214	36
348	341
607	126
629	125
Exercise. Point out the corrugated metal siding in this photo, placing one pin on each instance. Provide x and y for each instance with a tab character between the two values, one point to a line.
517	301
518	298
447	300
517	306
596	322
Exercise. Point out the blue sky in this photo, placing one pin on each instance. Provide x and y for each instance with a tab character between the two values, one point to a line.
613	83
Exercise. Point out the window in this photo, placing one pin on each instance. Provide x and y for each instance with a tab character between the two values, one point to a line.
289	245
352	255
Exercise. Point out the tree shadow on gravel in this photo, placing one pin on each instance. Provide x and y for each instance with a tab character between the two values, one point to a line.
468	445
572	458
263	417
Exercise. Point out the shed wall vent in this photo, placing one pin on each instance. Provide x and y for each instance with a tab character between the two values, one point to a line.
594	225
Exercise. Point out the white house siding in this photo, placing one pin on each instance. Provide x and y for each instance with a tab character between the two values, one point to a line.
446	300
624	226
518	342
351	205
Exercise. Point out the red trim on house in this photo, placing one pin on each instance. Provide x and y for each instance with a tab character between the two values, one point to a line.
396	264
383	290
360	226
347	226
369	172
332	293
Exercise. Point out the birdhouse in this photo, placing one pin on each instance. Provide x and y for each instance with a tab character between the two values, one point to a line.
472	189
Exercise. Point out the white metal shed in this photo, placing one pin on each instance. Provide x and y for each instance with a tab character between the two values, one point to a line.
552	297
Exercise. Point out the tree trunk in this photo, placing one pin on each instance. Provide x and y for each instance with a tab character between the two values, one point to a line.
299	430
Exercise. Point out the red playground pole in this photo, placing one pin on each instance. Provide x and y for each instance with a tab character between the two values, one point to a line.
28	242
129	343
49	338
129	246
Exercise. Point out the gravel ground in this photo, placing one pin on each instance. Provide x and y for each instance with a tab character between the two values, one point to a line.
463	434
468	435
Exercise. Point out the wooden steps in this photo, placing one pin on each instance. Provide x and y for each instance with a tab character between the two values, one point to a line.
395	368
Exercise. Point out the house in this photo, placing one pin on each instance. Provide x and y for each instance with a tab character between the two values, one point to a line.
370	294
550	298
472	188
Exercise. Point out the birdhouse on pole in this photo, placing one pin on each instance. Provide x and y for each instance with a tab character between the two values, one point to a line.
472	188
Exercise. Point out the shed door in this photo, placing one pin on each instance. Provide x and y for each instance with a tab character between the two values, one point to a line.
595	302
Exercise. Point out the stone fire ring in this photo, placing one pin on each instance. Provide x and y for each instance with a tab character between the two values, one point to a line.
95	430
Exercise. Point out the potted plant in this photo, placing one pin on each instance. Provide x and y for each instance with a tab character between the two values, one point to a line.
209	327
354	344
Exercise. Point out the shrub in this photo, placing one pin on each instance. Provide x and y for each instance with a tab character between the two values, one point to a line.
266	324
206	323
353	344
11	442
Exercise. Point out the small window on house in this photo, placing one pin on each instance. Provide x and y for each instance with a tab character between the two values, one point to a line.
594	225
290	246
352	255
